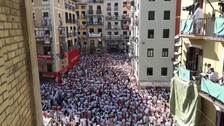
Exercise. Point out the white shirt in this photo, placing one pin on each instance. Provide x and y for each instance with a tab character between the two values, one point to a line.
198	14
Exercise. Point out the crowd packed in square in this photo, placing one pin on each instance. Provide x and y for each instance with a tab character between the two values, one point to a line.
103	91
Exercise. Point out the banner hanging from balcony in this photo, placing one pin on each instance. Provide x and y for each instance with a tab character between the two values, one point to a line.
73	58
184	102
219	26
213	89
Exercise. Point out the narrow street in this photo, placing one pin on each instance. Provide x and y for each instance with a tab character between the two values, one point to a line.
102	90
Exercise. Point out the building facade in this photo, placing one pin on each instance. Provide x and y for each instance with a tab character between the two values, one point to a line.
56	35
198	59
20	100
95	24
81	13
152	41
117	24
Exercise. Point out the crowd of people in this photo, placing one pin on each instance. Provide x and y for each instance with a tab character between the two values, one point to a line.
103	91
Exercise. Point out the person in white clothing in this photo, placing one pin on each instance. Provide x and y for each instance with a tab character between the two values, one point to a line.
198	17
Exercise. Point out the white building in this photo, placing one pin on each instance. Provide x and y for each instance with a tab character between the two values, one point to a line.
152	40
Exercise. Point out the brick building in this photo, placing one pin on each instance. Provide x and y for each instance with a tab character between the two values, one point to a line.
20	102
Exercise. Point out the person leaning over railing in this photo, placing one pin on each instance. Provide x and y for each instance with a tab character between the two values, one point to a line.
198	17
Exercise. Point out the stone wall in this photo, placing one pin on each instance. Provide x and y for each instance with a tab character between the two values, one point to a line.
19	103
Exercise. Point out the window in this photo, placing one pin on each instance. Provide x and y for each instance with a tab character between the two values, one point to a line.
151	0
99	30
115	33
125	33
125	12
166	15
98	7
164	71
108	4
149	71
116	23
151	33
166	0
109	33
91	30
166	33
83	7
150	52
115	4
151	15
165	52
45	14
49	67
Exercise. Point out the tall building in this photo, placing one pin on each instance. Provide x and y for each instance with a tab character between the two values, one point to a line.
81	12
20	101
56	36
198	59
152	40
116	24
95	23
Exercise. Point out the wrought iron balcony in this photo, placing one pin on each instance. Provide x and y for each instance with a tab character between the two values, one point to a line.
95	1
94	35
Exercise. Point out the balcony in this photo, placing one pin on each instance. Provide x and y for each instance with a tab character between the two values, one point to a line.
95	1
112	18
94	35
70	5
115	27
207	29
43	34
45	57
212	90
98	11
82	26
90	12
46	22
125	27
108	8
70	34
95	22
116	8
126	17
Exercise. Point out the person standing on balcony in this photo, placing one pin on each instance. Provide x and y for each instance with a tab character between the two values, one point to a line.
198	17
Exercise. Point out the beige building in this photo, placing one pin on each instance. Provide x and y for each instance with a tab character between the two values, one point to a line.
116	24
20	101
95	23
56	35
195	51
81	13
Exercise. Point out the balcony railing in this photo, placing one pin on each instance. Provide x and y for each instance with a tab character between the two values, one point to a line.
95	23
70	5
90	11
46	21
125	27
116	37
116	8
115	27
208	28
213	89
108	8
98	11
95	35
126	17
95	1
112	17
